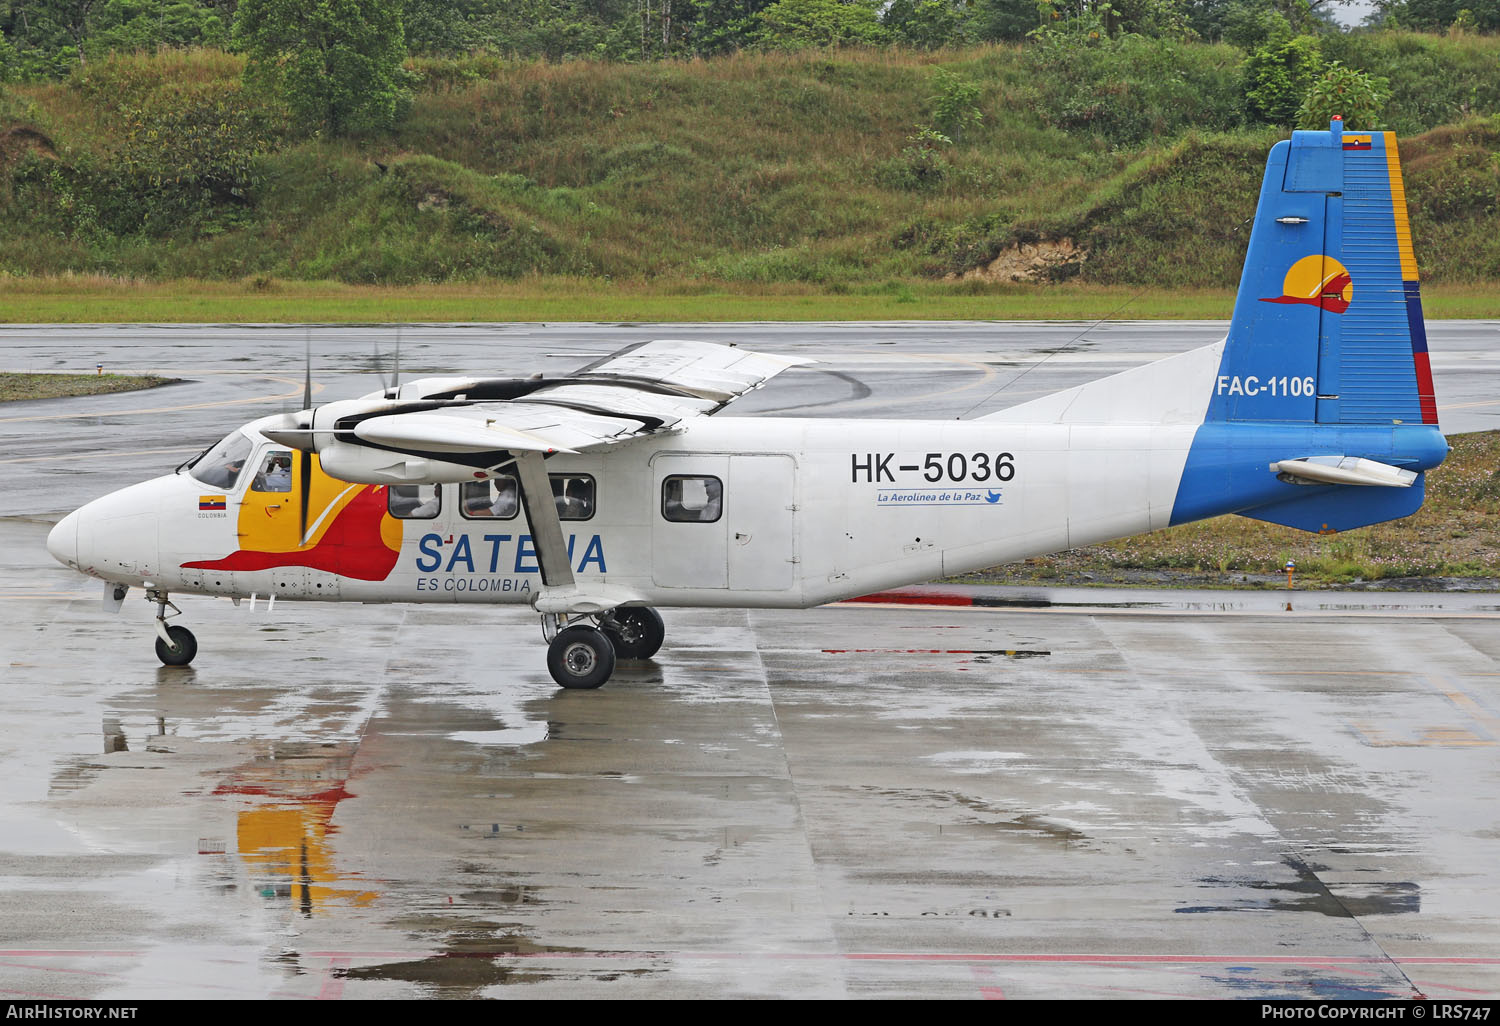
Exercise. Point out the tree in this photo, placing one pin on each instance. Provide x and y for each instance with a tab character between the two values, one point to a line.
144	25
927	24
956	105
1279	75
1353	95
797	23
336	63
721	26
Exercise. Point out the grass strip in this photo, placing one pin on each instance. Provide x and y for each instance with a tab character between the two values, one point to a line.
16	386
101	300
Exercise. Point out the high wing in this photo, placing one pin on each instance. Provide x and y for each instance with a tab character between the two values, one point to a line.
641	390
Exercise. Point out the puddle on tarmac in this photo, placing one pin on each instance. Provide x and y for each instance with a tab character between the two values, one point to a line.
481	955
1307	893
990	818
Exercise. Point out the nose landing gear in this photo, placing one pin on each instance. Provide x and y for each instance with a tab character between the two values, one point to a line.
175	646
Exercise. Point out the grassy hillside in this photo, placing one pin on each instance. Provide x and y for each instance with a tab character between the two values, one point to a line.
751	170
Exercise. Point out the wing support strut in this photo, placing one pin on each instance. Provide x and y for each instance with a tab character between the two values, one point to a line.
546	525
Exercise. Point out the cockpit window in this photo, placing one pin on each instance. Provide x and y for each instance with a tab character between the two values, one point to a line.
220	467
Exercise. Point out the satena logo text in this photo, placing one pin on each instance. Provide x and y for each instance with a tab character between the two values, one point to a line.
497	554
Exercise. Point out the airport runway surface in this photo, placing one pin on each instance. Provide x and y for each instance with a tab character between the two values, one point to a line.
1105	801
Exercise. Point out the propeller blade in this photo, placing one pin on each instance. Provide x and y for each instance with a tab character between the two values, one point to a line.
305	497
385	388
396	375
307	374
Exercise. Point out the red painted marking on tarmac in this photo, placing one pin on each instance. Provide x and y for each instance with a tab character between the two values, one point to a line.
60	953
333	984
987	990
1426	985
910	651
55	969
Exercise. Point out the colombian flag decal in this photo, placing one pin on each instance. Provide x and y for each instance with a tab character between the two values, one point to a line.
1357	142
211	502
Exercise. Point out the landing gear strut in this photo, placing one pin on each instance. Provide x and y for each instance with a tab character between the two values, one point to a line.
175	646
582	655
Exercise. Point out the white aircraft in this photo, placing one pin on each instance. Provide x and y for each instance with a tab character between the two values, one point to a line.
596	497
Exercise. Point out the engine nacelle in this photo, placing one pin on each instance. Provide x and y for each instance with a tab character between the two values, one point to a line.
362	465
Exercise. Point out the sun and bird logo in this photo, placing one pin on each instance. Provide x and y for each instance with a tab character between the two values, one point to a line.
1317	280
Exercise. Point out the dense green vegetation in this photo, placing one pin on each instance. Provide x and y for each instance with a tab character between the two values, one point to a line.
1113	144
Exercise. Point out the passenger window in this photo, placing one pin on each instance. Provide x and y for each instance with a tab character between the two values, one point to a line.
574	495
496	499
275	473
415	502
692	499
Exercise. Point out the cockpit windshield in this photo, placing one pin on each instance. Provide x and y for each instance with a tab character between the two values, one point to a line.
220	467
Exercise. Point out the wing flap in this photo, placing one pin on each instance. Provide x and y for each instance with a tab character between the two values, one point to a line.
707	370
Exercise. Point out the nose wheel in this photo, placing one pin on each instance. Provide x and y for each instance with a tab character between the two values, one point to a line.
175	646
181	649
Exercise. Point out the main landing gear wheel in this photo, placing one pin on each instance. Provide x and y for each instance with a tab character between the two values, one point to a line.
581	657
184	646
636	631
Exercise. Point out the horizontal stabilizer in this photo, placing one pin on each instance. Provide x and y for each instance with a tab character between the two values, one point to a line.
1342	470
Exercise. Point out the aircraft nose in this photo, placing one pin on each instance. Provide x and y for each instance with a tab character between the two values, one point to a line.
62	541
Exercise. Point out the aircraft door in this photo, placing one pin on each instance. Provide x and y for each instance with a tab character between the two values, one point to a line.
759	508
688	526
270	518
270	506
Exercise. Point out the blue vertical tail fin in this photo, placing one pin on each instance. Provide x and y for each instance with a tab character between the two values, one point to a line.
1327	326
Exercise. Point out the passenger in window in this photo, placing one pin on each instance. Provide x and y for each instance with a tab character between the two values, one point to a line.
573	497
507	499
414	502
277	474
495	498
428	507
692	500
